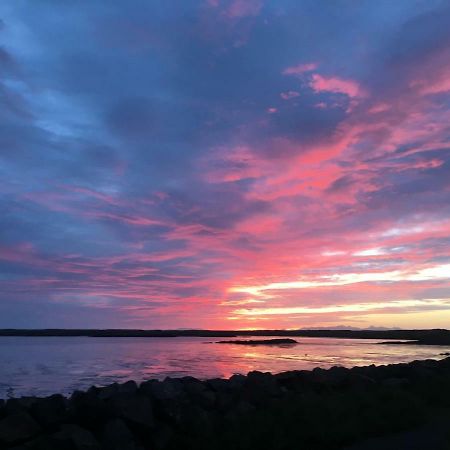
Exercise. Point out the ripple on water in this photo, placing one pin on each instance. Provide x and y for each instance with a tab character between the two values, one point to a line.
41	366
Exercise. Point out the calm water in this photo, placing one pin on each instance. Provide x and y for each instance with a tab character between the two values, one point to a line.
45	365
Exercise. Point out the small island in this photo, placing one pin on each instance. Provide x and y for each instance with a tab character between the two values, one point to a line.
282	341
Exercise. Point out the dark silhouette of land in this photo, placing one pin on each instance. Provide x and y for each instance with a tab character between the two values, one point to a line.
415	337
286	341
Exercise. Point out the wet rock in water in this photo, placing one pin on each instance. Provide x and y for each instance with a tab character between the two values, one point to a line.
50	411
18	427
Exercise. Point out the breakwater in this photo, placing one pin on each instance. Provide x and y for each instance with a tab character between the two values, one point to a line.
318	409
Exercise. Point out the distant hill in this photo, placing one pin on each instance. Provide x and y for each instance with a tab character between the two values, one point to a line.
423	337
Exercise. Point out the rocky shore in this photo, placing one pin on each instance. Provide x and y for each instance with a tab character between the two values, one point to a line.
318	409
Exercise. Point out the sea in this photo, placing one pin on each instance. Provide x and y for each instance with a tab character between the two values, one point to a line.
41	366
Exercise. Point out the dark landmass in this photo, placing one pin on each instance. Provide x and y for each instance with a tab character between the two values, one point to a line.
261	342
421	337
399	406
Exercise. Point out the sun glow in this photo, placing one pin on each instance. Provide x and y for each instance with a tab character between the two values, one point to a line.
357	307
428	273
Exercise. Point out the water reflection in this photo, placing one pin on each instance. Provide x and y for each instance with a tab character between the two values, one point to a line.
45	365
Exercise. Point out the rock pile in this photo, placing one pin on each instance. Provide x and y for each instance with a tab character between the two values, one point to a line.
184	413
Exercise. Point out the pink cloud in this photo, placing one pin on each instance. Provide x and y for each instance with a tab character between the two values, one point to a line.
243	8
300	69
289	94
350	88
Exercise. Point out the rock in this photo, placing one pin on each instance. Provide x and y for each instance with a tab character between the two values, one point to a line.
18	427
50	411
421	373
238	410
134	408
162	436
22	404
237	381
261	385
74	437
2	409
290	381
117	436
130	387
357	380
224	400
195	420
88	409
244	407
200	393
218	384
337	376
395	382
170	388
105	393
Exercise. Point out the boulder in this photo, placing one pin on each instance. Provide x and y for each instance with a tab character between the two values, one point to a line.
224	400
50	411
196	421
117	436
105	393
88	409
170	388
18	427
74	437
200	393
237	381
395	382
129	387
162	436
22	404
260	386
135	409
290	381
218	384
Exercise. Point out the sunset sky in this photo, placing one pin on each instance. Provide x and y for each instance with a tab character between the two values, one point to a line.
224	163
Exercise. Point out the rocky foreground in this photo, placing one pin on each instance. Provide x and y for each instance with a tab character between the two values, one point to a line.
319	409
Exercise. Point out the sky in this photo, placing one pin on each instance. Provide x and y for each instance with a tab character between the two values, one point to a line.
224	164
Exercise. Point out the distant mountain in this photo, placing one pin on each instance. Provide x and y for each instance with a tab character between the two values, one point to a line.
349	328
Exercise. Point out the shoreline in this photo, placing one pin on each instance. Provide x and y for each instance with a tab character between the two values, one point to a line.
414	337
294	406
